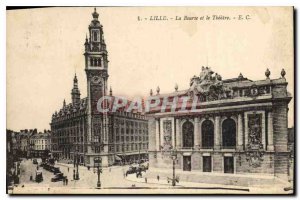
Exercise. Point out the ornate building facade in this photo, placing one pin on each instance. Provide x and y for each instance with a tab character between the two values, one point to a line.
79	129
233	126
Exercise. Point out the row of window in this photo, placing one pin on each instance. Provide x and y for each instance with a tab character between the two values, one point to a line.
79	148
207	131
98	130
131	131
131	147
131	138
67	140
42	141
67	133
71	125
95	62
41	147
131	124
228	163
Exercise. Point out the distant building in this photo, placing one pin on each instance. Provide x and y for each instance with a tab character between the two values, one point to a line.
40	143
24	138
79	129
21	141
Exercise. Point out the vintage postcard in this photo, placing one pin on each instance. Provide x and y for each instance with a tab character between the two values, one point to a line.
150	100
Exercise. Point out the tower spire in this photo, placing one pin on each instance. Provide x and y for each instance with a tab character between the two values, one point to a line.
95	14
75	78
75	92
110	91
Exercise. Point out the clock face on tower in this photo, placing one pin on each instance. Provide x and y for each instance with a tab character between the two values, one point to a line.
96	79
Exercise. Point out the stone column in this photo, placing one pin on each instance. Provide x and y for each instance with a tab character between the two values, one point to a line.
161	132
270	132
173	132
263	131
200	134
125	135
246	130
217	132
152	134
196	132
178	134
157	139
240	132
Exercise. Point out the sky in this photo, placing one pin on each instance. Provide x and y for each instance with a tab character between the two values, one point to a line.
45	49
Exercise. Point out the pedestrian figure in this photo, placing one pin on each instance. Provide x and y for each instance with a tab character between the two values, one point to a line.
109	169
68	169
145	179
64	181
67	181
157	177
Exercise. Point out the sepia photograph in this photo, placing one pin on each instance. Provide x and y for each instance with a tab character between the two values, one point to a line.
150	100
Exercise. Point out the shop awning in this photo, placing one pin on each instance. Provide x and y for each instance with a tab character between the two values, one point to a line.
117	158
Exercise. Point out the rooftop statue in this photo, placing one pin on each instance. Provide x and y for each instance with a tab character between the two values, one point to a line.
209	84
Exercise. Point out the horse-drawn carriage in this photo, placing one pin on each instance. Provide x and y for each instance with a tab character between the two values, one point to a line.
39	176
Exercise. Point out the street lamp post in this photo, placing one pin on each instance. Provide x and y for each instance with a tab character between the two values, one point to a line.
76	174
174	157
31	149
139	152
98	167
123	149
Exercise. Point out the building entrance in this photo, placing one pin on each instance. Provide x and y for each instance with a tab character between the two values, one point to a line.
206	164
187	163
228	165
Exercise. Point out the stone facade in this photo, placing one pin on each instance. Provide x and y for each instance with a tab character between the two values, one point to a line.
40	143
79	129
236	126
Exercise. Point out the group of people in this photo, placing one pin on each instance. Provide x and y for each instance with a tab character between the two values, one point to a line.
65	181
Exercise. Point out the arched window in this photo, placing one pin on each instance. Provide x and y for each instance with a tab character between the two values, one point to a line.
228	133
188	134
92	61
207	130
95	36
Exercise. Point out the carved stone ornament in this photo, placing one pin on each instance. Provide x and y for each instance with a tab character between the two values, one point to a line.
254	149
208	86
253	91
167	135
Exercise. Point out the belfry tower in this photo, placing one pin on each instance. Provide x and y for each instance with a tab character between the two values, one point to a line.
75	93
96	65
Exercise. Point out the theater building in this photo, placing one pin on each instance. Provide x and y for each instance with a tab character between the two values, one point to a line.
81	132
233	126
